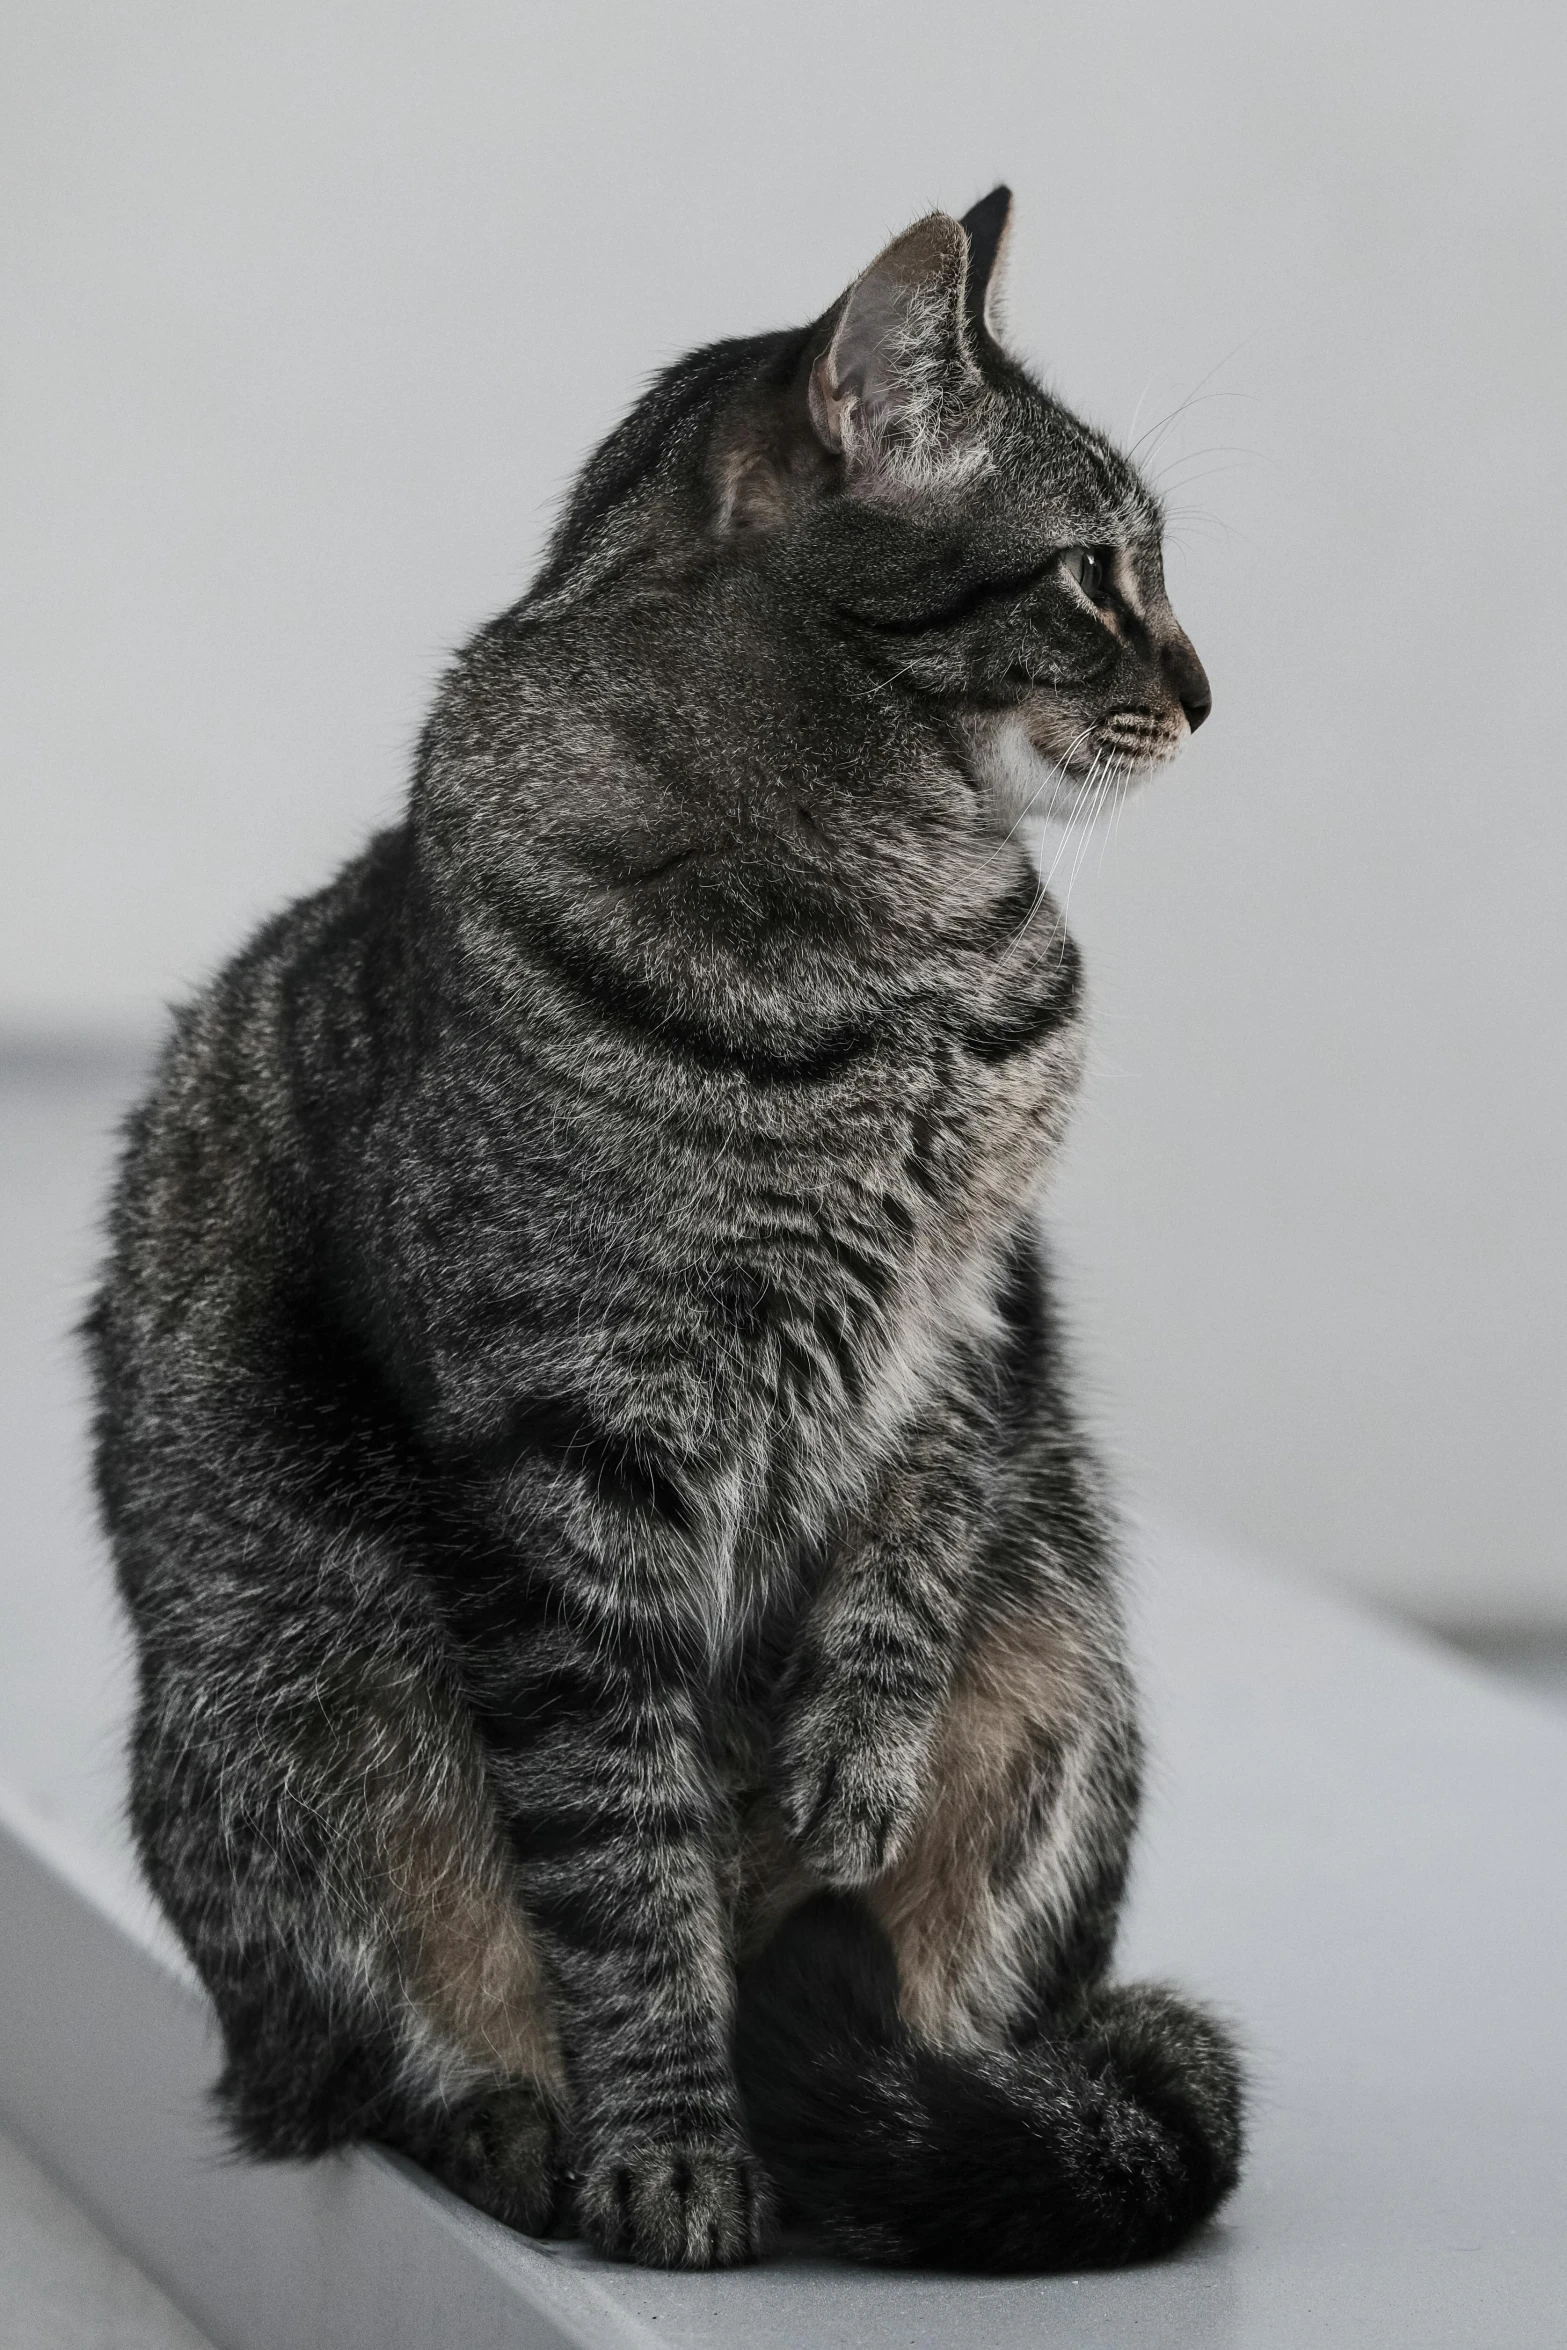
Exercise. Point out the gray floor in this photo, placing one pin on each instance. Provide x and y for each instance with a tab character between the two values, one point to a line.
63	2286
61	2283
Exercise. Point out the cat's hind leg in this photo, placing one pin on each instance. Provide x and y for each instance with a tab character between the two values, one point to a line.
934	2068
1003	1907
313	1812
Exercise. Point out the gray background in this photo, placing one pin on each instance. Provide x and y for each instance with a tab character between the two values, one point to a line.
310	312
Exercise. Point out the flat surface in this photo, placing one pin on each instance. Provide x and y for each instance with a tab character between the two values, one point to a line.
1354	1845
63	2285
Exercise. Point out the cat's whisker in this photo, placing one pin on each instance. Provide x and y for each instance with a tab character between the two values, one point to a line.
1060	778
1118	799
1212	449
885	683
1137	411
1205	517
1088	784
1198	396
1041	892
1083	786
1056	772
1087	835
1210	473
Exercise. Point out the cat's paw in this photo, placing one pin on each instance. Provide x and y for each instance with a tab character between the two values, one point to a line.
851	1793
678	2205
500	2150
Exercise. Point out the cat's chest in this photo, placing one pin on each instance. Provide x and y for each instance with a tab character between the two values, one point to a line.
979	1146
879	1223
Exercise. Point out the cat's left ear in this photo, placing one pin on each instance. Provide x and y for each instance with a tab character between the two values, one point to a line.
884	392
988	227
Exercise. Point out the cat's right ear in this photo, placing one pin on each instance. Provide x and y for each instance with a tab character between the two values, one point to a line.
988	227
884	391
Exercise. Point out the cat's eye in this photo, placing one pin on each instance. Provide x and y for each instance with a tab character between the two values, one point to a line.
1087	566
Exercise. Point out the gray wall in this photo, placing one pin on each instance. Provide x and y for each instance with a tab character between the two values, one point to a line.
311	311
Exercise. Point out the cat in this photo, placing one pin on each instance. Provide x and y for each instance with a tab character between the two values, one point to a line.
633	1709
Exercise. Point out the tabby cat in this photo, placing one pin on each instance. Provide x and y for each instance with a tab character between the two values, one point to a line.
633	1709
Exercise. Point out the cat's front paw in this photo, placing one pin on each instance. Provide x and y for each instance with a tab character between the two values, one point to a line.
678	2205
851	1793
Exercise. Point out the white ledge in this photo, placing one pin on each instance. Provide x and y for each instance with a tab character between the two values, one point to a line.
1356	1846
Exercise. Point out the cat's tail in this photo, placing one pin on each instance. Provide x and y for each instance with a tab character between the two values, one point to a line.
1080	2150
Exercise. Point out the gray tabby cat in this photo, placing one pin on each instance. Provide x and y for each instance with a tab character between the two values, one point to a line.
633	1708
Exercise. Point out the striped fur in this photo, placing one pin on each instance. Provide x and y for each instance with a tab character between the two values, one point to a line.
581	1421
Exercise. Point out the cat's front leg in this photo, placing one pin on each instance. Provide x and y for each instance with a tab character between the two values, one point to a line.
594	1717
852	1771
865	1693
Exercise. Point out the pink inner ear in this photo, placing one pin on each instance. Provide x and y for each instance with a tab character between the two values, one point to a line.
867	354
859	368
992	307
901	325
827	404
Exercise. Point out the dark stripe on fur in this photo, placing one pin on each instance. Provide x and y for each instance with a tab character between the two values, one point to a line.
620	998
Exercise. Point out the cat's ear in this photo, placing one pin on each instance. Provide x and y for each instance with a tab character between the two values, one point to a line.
899	358
988	227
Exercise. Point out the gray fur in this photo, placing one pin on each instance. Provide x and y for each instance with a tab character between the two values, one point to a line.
581	1421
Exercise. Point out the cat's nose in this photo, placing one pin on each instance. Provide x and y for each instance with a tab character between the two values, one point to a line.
1188	680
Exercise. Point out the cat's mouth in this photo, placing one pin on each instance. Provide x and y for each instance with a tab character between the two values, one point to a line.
1127	744
1035	765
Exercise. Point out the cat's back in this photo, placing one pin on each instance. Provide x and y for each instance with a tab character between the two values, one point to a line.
272	1067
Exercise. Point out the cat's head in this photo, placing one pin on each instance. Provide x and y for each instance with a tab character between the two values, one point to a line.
961	532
